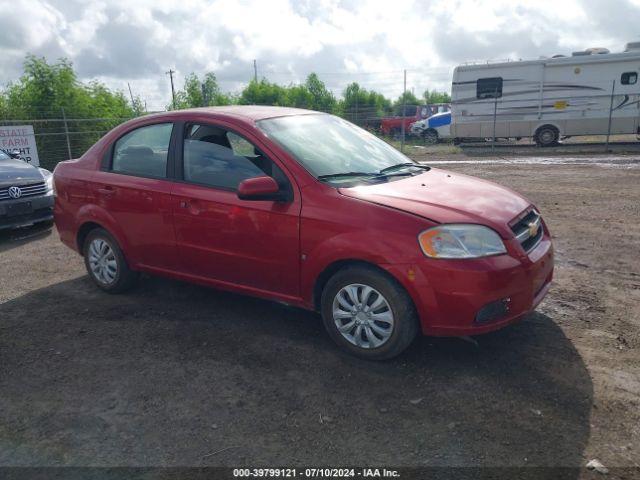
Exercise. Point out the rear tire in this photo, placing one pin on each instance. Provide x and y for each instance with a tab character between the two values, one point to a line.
368	313
546	136
106	264
430	137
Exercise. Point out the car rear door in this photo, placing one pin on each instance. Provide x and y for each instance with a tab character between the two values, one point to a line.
133	187
251	244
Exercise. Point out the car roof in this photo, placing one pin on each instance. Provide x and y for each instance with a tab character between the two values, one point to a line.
242	112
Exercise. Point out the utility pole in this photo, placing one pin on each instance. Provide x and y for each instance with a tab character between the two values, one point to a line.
173	91
255	71
204	95
133	105
404	110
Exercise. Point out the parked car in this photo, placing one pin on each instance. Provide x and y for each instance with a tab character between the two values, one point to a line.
434	128
26	194
307	209
408	115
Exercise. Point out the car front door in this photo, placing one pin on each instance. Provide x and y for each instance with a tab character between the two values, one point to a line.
132	186
245	243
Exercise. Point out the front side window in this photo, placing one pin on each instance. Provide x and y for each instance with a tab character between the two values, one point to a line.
329	146
489	87
217	157
143	151
629	78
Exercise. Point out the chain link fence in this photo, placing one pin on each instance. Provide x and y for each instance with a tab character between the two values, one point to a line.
59	137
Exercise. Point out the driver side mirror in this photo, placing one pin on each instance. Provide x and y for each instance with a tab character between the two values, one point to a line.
259	188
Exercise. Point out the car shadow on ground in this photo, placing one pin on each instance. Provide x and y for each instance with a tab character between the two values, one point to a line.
16	238
176	374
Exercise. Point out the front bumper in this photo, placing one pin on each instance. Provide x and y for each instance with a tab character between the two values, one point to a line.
449	294
41	211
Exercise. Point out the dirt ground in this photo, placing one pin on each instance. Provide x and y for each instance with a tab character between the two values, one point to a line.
179	375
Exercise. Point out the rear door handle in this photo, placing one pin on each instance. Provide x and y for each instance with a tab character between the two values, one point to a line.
184	204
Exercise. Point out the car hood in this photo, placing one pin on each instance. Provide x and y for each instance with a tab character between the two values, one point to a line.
447	197
14	171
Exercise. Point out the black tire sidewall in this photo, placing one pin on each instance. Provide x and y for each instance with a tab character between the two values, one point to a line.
405	319
430	137
541	131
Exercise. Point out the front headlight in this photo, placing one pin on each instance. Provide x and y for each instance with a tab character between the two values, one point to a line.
48	180
460	241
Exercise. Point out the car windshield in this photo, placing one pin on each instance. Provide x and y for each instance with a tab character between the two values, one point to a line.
4	156
336	150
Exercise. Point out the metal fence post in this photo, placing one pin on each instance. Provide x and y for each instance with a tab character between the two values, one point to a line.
404	110
66	133
613	87
495	113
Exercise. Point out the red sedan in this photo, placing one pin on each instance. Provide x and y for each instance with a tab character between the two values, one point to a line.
307	209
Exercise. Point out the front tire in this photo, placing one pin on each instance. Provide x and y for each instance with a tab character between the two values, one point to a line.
106	264
368	314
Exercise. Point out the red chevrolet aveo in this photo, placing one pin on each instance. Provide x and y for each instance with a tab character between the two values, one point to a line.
307	209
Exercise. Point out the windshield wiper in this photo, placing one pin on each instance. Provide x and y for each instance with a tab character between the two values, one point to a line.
372	175
348	174
403	165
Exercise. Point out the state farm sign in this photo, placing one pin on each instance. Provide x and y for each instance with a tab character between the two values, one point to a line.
20	137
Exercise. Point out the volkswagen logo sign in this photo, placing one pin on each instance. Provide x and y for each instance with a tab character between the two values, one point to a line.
15	192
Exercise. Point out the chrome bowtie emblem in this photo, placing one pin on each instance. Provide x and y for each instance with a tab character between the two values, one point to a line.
533	229
15	192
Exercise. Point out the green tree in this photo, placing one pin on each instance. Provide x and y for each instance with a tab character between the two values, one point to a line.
431	97
200	93
264	92
322	98
52	95
360	105
407	98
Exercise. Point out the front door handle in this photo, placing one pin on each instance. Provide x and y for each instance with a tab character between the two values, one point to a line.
184	204
106	191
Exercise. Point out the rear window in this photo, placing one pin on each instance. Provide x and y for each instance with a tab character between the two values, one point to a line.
409	110
490	87
143	152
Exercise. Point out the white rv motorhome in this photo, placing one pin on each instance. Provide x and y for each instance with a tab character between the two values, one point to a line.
549	98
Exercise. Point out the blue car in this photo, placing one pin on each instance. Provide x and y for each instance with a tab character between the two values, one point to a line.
434	128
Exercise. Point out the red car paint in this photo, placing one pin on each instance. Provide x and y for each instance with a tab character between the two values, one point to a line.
280	250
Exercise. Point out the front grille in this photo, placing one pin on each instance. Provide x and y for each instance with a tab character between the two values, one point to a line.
525	226
30	190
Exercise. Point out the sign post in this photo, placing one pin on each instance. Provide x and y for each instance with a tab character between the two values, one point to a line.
20	137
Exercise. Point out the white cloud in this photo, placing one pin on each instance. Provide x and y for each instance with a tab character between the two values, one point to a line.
369	41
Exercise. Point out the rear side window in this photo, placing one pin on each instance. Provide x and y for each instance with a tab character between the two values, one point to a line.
143	151
629	78
220	158
490	87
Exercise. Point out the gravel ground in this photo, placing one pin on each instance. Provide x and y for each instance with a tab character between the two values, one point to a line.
179	375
